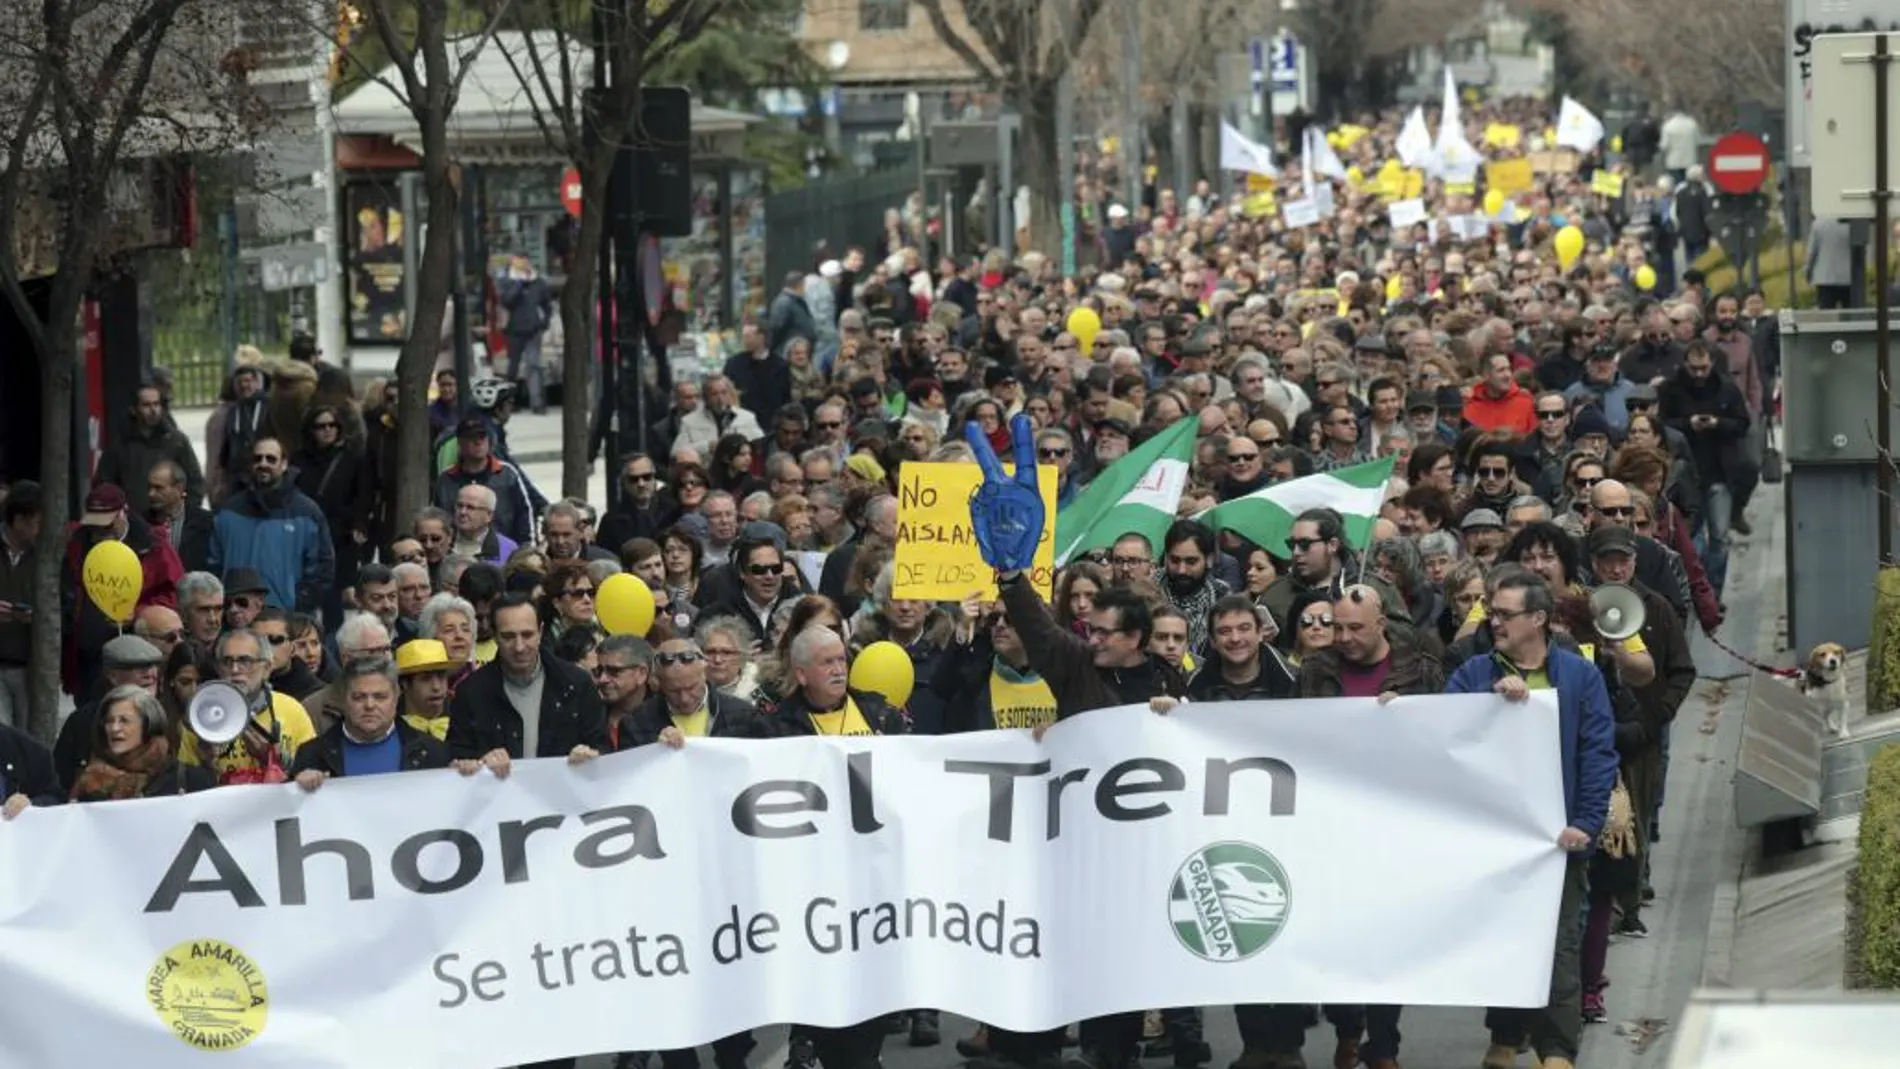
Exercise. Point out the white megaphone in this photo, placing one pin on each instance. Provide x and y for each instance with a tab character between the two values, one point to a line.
1618	610
219	712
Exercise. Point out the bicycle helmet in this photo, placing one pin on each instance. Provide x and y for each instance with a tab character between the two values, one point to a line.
489	392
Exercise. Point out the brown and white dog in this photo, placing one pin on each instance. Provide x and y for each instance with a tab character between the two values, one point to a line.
1825	681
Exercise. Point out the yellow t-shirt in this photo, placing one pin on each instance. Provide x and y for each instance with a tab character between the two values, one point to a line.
1632	644
694	725
846	721
429	725
1021	703
294	729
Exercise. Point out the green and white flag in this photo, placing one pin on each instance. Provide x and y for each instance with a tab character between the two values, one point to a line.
1135	495
1265	517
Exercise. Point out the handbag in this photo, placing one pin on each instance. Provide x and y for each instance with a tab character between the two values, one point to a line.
1618	838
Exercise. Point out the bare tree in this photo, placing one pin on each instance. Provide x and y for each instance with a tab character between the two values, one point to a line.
1728	50
87	88
554	63
1022	49
428	57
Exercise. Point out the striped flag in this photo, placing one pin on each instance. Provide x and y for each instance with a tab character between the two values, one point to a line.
1265	517
1135	495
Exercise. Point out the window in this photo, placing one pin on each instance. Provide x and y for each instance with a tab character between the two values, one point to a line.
883	14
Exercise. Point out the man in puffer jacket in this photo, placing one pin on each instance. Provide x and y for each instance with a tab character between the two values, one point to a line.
275	528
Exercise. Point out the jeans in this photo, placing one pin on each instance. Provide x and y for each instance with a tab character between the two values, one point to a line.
1556	1030
1281	1029
526	349
1713	545
14	706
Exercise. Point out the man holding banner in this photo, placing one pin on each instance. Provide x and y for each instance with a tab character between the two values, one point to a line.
1112	667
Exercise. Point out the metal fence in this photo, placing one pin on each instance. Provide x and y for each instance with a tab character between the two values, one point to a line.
840	211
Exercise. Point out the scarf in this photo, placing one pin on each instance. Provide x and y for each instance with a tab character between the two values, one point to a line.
113	779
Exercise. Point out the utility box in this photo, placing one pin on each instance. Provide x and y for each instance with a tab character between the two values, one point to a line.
1830	408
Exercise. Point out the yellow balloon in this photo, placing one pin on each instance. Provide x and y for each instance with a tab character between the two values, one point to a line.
1493	202
884	668
624	605
1355	176
113	579
1569	246
1393	287
1085	325
1645	278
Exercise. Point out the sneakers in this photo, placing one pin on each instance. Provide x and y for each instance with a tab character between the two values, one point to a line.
799	1054
977	1045
1593	1010
1499	1056
1631	926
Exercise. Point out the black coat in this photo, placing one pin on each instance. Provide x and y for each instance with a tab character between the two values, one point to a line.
1715	449
793	716
1064	659
420	750
732	718
482	719
1412	671
194	544
1275	680
26	767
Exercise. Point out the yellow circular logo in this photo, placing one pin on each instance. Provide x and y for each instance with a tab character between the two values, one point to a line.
209	994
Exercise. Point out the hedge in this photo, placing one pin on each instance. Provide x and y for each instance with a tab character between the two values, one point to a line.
1883	647
1873	887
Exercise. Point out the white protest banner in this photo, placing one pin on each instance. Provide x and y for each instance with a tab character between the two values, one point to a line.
1404	213
1297	851
1298	214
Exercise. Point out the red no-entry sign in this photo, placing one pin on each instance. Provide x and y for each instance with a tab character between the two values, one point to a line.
571	192
1738	163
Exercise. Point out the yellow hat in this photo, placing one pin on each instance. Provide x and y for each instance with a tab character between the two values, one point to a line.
422	655
866	466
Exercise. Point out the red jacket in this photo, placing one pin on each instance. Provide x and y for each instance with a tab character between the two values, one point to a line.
1671	530
1516	411
88	629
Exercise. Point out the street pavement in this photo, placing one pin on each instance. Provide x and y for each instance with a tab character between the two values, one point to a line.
1651	979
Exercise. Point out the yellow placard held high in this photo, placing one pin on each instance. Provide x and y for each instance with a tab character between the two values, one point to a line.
1606	183
937	556
1509	176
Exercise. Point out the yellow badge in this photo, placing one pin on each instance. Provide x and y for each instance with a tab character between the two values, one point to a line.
209	994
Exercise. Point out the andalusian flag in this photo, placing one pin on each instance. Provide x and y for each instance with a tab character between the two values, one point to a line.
1135	495
1265	517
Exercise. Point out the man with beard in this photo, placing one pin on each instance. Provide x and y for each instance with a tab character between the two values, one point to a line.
643	511
1364	661
275	528
108	517
1710	410
1191	586
1320	560
278	726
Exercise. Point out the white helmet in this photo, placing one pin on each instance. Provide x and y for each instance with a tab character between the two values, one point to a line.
489	392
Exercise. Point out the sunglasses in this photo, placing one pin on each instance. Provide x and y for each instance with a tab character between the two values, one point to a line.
1547	415
324	425
277	640
1321	620
1619	511
1053	453
1493	473
668	660
763	569
1242	458
578	592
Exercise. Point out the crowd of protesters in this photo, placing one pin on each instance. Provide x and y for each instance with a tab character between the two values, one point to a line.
1553	429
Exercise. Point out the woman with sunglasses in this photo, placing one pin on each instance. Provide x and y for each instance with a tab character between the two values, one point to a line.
331	472
1309	625
567	599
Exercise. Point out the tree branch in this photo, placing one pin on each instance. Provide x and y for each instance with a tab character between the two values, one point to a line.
933	10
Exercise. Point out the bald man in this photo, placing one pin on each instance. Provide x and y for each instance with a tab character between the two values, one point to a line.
160	626
1656	568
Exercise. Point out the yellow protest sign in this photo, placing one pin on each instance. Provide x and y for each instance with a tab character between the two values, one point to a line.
1509	176
1258	205
1502	135
1259	183
1461	189
1606	183
937	556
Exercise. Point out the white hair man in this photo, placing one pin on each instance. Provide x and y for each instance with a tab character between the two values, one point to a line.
361	638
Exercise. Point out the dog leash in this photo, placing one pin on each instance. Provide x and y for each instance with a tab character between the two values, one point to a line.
1778	673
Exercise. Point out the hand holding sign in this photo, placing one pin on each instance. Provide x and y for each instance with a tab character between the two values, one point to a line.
1006	512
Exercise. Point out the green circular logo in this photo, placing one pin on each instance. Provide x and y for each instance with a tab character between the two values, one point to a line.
1229	900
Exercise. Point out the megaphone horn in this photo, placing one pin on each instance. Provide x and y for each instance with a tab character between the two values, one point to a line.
1618	610
218	713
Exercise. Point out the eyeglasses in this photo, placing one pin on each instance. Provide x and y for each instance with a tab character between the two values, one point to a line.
668	660
276	640
612	669
578	592
324	425
1546	414
1493	473
1585	484
240	663
1268	442
764	569
1128	562
829	424
1242	458
1618	511
692	484
1301	545
248	601
1321	620
1508	614
1053	452
1327	384
173	636
641	477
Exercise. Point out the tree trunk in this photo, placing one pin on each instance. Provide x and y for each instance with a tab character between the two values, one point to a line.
1042	170
580	322
415	459
59	366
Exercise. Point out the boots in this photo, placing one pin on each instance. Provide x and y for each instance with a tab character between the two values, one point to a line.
924	1031
977	1045
1499	1056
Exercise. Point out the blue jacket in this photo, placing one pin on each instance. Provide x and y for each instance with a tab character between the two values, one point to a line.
282	534
1585	725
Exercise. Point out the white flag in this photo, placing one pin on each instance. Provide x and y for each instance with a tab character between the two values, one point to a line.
1320	158
1414	145
1577	127
1238	152
1457	161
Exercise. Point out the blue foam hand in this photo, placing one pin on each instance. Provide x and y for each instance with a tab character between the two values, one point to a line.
1006	511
